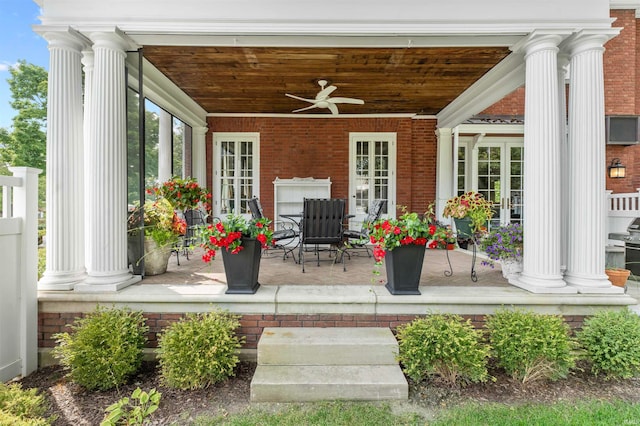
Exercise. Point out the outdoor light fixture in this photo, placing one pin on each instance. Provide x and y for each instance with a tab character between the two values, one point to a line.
617	169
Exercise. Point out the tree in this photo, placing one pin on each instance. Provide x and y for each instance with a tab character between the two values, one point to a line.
25	144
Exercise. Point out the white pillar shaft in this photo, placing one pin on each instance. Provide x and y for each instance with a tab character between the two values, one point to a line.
65	184
108	179
199	155
87	61
446	178
563	61
165	132
586	152
541	262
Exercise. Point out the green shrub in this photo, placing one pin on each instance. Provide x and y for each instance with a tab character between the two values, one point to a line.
443	345
104	348
531	346
132	411
199	350
21	407
611	340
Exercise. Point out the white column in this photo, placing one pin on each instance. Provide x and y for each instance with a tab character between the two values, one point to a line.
65	184
108	179
199	155
586	149
563	61
165	133
541	264
446	173
87	61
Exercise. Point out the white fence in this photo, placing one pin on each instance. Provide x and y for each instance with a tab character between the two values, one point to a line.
19	273
621	210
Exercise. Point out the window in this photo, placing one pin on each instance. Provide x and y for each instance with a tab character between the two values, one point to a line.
622	130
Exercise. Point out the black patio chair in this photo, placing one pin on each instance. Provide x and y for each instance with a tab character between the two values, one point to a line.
322	225
282	238
357	239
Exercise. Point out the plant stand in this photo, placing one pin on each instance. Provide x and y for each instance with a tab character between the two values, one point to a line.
404	266
466	235
242	268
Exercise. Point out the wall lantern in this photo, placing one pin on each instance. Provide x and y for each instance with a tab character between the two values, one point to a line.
617	169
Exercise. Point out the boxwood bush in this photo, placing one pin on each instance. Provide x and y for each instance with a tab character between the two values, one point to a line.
611	340
199	350
531	346
443	345
104	348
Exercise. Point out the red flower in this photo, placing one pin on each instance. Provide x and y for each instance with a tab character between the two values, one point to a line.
432	229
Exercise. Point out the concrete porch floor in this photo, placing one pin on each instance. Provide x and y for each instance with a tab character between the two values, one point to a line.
194	286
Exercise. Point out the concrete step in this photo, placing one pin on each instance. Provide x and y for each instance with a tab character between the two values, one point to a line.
327	346
299	383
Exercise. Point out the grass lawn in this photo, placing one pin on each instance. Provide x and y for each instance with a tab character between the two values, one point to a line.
365	414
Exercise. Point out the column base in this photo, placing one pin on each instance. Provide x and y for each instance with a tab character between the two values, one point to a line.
112	283
592	285
53	281
541	285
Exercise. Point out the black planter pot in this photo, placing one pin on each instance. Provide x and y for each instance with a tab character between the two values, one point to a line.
463	228
242	268
404	266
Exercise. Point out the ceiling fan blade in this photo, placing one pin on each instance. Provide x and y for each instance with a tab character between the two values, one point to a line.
324	93
333	108
306	108
346	101
299	98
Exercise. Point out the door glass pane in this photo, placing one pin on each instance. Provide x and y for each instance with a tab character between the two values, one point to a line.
237	175
490	179
462	162
515	181
372	173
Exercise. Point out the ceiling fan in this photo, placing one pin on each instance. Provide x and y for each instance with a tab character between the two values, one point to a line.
323	100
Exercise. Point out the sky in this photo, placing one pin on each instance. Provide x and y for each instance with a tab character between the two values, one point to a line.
18	41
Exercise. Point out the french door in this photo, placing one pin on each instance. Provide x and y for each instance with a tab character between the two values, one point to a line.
236	171
498	173
372	173
494	168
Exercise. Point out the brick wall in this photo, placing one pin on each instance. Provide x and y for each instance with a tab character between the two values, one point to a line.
252	325
318	147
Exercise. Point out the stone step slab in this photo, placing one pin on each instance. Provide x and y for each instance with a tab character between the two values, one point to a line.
327	346
303	383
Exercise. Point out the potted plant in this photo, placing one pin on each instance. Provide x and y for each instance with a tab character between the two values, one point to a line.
161	227
470	211
401	243
183	194
241	242
505	244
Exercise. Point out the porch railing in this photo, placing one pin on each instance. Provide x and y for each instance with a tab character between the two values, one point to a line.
19	266
622	208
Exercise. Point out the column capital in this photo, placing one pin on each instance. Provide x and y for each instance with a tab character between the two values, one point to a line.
63	37
443	132
87	60
200	130
540	40
112	38
586	40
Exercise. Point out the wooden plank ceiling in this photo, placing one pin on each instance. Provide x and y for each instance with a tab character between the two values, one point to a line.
389	80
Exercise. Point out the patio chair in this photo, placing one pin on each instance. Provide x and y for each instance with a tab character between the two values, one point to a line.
358	238
322	225
282	238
